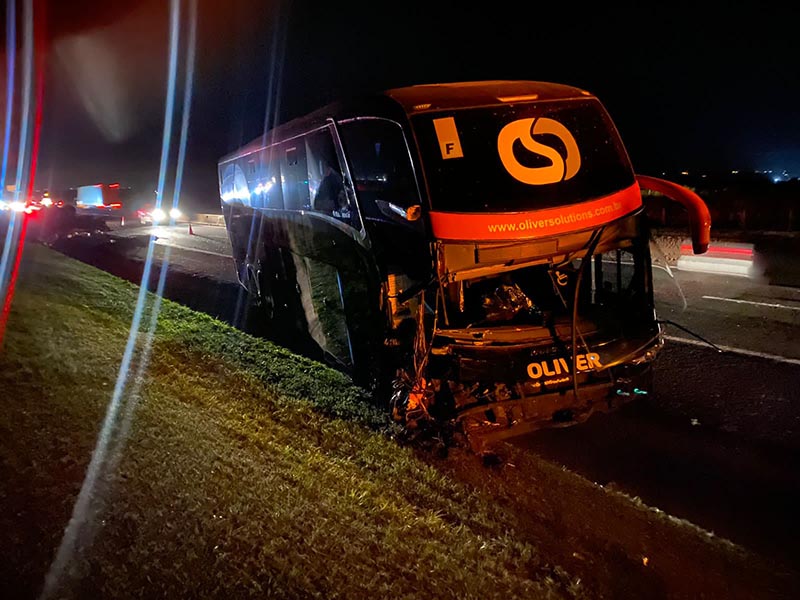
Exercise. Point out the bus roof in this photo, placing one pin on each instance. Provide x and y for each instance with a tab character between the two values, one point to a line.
415	99
444	96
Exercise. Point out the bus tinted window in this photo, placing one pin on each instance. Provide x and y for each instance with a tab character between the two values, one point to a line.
379	163
267	192
521	156
325	180
294	175
325	184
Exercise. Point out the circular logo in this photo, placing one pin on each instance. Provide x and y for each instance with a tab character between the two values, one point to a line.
560	168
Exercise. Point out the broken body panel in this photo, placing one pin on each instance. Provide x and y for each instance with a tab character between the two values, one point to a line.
487	253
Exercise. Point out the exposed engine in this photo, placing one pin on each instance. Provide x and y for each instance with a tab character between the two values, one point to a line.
495	352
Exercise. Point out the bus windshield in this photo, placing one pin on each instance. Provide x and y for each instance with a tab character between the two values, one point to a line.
518	157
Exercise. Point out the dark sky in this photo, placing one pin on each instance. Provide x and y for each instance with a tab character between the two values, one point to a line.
689	87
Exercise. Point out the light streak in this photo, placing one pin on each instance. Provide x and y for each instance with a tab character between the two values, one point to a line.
187	104
11	57
27	55
11	232
271	113
107	450
16	240
155	308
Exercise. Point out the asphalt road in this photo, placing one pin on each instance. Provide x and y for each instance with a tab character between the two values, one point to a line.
738	313
718	443
209	240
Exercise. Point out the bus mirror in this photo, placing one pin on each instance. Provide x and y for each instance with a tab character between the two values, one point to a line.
699	217
413	213
390	209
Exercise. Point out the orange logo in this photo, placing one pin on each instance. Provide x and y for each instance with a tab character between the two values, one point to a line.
560	168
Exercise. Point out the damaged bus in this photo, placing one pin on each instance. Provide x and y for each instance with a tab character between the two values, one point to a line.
478	252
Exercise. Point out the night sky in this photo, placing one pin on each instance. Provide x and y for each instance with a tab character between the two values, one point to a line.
689	88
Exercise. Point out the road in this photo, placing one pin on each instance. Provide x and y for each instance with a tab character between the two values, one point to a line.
718	443
210	240
743	315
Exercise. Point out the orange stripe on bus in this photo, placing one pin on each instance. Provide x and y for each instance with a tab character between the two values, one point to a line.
536	223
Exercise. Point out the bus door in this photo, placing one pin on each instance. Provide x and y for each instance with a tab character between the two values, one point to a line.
388	195
336	282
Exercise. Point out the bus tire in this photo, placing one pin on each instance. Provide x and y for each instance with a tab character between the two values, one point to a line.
265	291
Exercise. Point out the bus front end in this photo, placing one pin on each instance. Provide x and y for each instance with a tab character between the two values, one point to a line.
544	307
543	333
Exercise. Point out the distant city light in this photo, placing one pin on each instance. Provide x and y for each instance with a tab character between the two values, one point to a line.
684	172
734	172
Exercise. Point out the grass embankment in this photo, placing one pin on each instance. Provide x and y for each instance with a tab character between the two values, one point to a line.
247	470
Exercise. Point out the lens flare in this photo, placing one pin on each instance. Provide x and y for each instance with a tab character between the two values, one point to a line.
158	215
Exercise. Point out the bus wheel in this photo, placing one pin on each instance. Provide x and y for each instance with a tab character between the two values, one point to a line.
265	293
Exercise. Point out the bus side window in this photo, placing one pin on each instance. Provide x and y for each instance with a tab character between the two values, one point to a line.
268	188
294	175
325	179
380	165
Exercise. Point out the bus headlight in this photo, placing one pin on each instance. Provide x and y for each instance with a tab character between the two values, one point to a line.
175	214
158	215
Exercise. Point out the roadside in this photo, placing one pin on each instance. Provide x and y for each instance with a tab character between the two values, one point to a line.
232	467
228	487
773	255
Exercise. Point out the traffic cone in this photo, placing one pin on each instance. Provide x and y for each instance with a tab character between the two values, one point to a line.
122	221
191	232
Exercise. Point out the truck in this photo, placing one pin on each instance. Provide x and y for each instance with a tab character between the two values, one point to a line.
99	199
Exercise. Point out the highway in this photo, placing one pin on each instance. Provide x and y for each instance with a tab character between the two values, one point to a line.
718	443
740	315
743	315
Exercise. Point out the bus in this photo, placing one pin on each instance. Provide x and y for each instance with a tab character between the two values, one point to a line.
475	253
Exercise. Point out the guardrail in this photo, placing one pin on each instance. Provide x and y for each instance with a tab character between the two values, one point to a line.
209	219
727	258
723	257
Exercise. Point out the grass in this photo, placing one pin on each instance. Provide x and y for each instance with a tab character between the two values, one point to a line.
242	470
